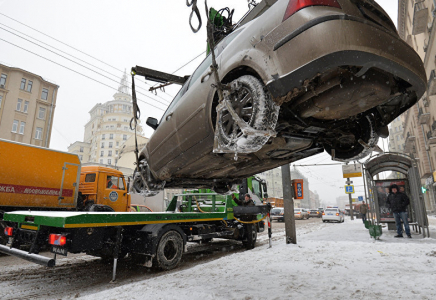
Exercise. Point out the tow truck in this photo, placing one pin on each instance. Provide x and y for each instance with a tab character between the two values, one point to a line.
155	239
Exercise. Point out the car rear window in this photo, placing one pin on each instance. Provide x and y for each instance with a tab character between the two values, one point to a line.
275	210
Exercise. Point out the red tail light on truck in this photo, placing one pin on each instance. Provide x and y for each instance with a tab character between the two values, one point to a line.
9	231
57	239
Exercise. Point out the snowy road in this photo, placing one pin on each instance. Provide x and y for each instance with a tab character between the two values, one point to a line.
338	259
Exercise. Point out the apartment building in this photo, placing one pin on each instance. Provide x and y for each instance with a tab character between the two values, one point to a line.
108	129
416	25
27	106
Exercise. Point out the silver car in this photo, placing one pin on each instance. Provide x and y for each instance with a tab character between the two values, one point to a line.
300	78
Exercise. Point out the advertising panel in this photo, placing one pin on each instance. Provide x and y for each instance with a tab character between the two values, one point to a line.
382	190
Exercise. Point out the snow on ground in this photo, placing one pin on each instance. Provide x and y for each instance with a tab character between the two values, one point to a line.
335	261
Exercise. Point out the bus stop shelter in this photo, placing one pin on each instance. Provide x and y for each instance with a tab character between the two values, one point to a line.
409	183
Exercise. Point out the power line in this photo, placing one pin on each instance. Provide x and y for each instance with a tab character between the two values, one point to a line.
313	165
129	87
59	41
73	70
78	63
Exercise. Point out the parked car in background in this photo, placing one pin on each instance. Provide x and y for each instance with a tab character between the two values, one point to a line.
307	76
333	214
277	213
301	213
314	213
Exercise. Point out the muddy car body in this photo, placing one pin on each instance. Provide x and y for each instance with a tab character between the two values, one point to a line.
327	76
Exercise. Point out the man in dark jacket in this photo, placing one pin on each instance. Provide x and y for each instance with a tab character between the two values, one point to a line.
363	210
398	203
246	202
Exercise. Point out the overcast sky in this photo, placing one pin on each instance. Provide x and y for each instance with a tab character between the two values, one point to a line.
112	36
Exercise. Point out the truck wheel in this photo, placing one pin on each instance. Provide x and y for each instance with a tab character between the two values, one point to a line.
251	238
169	250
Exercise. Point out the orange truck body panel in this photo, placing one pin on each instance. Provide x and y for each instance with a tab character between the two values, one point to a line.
35	177
32	176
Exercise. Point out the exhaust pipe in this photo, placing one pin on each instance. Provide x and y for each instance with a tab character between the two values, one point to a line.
35	258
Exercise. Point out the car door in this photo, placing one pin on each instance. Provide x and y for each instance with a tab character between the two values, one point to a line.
164	144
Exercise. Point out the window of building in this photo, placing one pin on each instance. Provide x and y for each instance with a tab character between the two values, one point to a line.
44	94
118	143
81	149
112	126
22	125
125	120
111	136
126	128
19	104
26	106
124	107
109	161
116	152
1	98
29	86
38	133
103	136
107	127
41	114
110	144
81	157
102	153
101	160
102	144
15	126
23	84
125	137
109	153
3	80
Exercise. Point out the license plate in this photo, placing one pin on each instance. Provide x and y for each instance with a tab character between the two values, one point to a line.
330	214
58	250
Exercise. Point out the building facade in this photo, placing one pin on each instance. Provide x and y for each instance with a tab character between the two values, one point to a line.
416	26
27	106
108	130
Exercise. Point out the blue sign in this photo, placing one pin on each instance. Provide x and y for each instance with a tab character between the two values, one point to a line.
299	189
360	198
349	189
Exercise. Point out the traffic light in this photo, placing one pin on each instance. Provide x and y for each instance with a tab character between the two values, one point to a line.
423	189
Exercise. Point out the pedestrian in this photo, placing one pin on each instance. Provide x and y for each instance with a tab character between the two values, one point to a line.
398	203
363	210
247	201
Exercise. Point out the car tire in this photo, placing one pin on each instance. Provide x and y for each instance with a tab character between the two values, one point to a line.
254	105
169	250
364	130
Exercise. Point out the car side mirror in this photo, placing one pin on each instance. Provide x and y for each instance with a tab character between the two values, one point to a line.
152	122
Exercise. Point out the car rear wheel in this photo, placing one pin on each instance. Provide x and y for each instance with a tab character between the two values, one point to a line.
254	105
349	146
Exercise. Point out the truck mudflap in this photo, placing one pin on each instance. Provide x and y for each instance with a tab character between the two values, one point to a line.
35	258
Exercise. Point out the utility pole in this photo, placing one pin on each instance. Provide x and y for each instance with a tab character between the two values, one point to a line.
348	182
288	202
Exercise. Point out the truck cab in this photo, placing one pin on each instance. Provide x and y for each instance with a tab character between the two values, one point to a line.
104	187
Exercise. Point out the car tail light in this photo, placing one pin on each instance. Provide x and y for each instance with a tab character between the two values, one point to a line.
9	231
296	5
337	214
323	214
57	239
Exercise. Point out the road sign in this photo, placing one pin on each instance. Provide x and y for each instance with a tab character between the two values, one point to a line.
298	188
352	170
349	189
360	198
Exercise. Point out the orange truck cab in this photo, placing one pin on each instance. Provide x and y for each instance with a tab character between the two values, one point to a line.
36	178
104	187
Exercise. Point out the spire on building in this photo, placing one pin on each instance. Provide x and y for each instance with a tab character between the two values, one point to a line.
124	88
